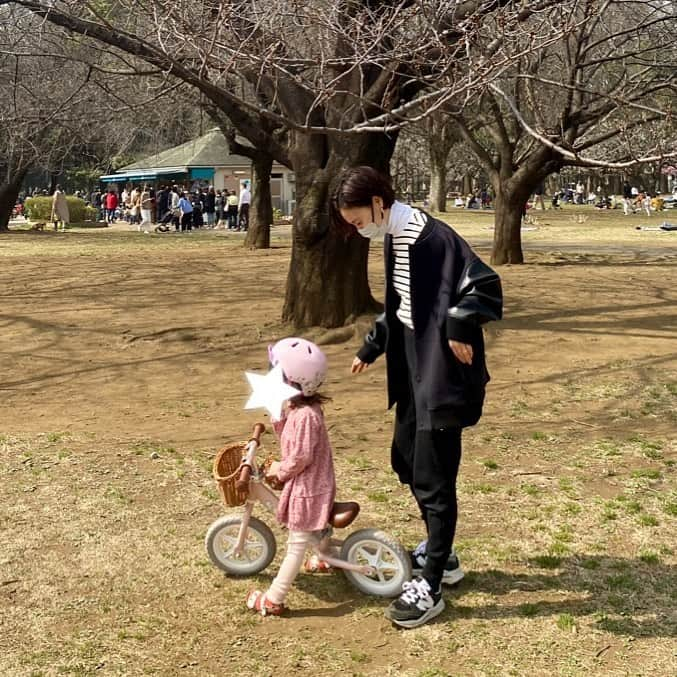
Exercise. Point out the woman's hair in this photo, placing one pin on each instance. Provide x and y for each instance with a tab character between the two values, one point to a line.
356	188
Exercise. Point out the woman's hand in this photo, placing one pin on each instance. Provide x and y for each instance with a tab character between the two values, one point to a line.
358	366
462	351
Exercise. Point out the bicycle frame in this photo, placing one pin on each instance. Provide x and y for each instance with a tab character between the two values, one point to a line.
261	493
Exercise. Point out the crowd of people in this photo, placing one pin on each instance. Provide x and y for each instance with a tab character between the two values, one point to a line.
174	207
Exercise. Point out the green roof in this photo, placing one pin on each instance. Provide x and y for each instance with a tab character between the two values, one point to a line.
210	150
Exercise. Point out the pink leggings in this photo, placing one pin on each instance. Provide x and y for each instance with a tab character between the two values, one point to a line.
297	544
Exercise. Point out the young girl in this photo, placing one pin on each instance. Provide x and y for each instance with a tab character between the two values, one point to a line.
306	468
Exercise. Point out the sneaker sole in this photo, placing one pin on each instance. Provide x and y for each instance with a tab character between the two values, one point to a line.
427	616
452	578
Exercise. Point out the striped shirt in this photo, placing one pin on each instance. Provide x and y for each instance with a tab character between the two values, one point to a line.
401	275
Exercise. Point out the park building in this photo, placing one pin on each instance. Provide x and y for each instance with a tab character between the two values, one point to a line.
202	162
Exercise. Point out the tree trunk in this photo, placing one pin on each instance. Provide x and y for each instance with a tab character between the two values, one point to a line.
8	193
438	183
509	208
261	217
327	281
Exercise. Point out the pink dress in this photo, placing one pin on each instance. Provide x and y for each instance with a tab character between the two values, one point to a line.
307	469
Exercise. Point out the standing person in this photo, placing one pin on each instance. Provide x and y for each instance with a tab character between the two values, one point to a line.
438	296
218	205
60	213
306	468
111	205
538	196
146	203
243	206
210	206
646	203
186	210
197	203
162	203
232	210
95	201
580	188
174	198
135	205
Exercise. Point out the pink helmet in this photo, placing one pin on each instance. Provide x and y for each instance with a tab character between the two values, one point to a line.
302	362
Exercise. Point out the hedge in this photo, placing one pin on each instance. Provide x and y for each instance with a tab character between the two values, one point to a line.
40	209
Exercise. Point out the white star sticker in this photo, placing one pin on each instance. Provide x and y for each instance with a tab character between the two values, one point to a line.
269	392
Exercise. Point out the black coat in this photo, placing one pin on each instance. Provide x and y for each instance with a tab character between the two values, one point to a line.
452	294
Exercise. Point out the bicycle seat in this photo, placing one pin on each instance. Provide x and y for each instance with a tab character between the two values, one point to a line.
344	514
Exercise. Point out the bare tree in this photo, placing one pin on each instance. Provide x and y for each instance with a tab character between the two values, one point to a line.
600	95
320	85
41	104
333	83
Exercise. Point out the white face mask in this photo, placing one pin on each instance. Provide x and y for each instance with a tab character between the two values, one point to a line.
372	230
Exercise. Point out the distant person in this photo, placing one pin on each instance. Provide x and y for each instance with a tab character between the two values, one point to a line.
186	210
580	190
146	203
627	205
219	204
174	198
111	206
198	220
60	213
646	204
231	214
243	206
627	191
538	197
135	205
162	203
210	206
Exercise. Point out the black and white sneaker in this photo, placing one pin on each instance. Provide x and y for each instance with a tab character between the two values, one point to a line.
453	574
416	605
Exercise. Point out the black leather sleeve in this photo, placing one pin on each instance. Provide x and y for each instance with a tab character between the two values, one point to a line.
375	341
479	300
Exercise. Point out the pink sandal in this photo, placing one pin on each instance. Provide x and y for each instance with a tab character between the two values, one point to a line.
257	601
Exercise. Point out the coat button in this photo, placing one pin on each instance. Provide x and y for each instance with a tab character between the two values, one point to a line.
418	378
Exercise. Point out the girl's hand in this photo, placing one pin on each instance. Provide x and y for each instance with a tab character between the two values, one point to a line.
358	366
274	469
462	351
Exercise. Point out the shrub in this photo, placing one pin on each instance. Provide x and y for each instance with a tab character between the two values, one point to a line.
40	209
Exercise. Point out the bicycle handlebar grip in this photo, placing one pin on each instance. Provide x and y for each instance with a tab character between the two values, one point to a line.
259	429
242	482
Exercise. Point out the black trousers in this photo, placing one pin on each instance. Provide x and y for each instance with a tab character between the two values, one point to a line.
427	460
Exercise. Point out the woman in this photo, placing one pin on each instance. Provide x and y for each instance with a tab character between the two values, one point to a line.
60	212
210	206
146	204
438	294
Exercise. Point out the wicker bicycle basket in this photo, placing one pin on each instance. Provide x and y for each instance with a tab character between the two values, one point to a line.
227	466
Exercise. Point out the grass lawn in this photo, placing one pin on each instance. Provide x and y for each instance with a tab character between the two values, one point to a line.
122	374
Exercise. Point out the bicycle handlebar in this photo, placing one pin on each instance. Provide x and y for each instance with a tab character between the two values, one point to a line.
242	481
259	429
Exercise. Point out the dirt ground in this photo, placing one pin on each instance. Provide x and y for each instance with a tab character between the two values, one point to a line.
122	374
